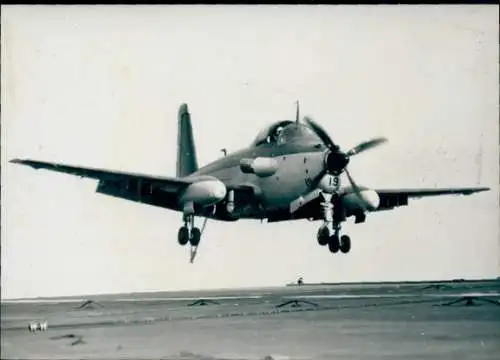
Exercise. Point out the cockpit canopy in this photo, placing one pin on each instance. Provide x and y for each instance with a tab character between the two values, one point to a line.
286	132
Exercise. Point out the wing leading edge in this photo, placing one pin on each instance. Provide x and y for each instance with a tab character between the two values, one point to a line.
308	206
419	193
165	183
391	198
149	189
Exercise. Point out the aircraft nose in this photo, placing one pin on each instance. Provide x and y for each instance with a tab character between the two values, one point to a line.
371	198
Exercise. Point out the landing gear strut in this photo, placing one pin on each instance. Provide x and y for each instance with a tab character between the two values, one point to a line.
329	232
188	233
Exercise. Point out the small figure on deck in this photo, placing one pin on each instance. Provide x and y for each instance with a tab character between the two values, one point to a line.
37	326
300	281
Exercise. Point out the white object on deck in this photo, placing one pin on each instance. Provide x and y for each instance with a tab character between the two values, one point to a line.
38	326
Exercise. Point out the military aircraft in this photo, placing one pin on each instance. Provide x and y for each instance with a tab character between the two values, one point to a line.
290	171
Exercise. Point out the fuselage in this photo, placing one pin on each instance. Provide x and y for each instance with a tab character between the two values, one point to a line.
299	157
262	181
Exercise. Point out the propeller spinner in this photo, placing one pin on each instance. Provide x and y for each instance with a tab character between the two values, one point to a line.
336	160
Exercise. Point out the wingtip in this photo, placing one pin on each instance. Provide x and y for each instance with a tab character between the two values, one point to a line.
477	190
26	162
16	161
483	188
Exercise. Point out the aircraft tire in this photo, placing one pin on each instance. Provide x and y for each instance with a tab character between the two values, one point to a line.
183	236
323	235
333	244
195	236
345	244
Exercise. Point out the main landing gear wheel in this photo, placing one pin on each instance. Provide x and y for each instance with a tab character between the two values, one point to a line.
183	236
323	235
195	237
188	233
345	244
333	244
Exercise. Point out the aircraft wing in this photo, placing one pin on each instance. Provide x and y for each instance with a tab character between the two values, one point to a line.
419	193
165	183
149	189
308	206
391	198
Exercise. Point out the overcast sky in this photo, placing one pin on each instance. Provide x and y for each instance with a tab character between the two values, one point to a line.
101	86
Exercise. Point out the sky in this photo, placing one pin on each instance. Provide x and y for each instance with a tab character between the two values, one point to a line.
100	86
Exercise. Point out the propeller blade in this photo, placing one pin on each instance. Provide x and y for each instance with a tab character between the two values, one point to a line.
356	189
322	134
337	161
367	145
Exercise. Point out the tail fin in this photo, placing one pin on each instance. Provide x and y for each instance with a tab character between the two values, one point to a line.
186	152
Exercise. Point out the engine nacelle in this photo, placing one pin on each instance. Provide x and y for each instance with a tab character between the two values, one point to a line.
261	166
370	198
204	192
329	184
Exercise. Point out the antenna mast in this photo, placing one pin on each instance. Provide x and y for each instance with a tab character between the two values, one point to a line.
297	112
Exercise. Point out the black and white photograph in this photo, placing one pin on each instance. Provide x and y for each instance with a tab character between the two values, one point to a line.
250	182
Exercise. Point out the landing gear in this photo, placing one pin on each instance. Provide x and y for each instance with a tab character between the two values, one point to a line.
188	233
183	236
334	241
333	244
328	237
345	244
329	232
195	237
323	235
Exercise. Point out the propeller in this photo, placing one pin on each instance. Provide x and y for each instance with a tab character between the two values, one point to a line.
322	134
367	145
356	189
336	160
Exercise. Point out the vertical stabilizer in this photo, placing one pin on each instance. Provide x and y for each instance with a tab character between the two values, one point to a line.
186	152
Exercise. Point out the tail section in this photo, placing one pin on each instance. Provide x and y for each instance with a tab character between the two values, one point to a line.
186	151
